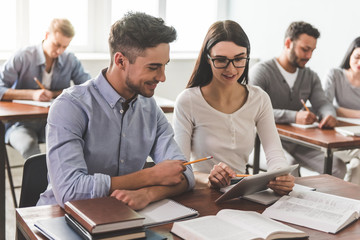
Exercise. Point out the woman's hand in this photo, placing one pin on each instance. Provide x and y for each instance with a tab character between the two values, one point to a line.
221	175
282	184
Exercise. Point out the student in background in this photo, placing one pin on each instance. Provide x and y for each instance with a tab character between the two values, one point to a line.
99	134
342	86
288	81
218	114
53	67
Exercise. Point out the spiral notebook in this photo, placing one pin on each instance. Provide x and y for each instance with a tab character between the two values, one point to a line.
165	211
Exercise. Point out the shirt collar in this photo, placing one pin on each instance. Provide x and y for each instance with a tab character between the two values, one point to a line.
108	92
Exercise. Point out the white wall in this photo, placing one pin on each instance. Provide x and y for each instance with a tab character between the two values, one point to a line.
178	72
265	23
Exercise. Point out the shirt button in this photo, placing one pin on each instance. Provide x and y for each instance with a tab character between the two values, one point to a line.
121	111
122	161
124	135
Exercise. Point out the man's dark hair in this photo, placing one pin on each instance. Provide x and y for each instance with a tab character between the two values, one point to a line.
137	31
297	28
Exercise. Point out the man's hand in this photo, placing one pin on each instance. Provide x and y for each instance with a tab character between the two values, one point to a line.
305	117
168	172
328	122
221	175
42	95
283	184
135	199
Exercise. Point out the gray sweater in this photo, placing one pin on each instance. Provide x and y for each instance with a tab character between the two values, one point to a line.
285	101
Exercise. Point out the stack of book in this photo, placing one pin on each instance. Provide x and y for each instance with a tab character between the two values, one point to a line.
104	218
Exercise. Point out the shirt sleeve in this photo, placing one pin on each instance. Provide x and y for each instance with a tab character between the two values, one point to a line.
183	125
67	166
269	136
9	74
329	85
320	103
166	147
78	74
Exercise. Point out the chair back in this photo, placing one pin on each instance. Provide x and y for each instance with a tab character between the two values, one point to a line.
34	181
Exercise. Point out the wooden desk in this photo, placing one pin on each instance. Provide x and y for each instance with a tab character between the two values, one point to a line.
203	200
12	111
326	140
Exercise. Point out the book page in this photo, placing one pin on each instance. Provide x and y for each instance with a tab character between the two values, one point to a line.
211	227
256	223
309	213
164	211
328	201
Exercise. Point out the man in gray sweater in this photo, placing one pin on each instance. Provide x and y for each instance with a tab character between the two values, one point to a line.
288	81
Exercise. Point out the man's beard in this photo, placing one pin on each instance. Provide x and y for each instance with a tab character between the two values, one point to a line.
136	89
294	59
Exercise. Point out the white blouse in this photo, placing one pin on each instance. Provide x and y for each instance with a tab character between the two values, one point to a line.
201	131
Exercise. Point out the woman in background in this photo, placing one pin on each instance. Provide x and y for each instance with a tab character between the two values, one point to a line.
342	86
218	114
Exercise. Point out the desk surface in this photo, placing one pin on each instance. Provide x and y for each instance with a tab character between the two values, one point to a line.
327	138
203	201
16	111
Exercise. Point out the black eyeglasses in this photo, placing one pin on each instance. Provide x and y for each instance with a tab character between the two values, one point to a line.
238	62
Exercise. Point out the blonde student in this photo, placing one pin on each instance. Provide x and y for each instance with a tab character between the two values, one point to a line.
218	114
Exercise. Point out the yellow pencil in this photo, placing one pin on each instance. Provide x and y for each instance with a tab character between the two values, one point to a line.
243	175
303	103
39	83
199	160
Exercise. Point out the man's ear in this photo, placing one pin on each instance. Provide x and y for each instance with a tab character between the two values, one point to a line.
120	60
288	42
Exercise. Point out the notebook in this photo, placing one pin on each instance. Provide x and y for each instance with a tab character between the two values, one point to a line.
165	211
313	125
34	103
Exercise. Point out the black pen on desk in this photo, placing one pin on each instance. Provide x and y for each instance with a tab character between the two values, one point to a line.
303	103
39	83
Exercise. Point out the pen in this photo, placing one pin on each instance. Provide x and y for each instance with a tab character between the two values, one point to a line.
303	103
39	83
199	160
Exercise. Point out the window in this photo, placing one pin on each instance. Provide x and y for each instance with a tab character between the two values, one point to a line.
28	20
8	26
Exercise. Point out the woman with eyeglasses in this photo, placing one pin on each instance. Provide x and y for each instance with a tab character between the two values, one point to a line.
342	86
218	114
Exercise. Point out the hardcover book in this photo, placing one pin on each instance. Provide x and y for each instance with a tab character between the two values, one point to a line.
104	214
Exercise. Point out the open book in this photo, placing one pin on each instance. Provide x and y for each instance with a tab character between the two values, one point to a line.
320	211
234	224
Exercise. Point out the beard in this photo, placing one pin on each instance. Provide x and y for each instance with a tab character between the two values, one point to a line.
137	88
295	61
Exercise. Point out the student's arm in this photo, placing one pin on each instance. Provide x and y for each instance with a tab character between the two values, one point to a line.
78	74
42	95
274	153
347	112
138	199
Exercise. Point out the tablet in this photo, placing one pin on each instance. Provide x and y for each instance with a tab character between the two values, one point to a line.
253	184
